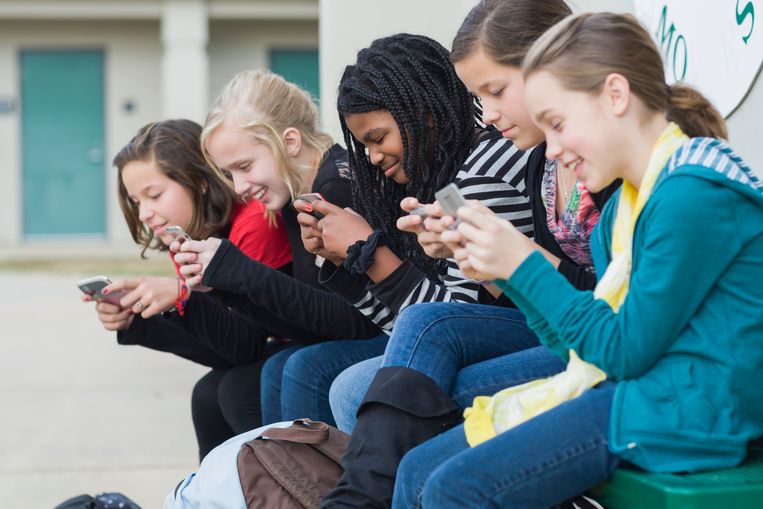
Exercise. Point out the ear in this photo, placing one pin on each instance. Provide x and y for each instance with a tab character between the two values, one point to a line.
292	138
617	93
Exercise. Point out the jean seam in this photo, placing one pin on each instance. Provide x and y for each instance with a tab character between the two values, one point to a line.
449	317
530	475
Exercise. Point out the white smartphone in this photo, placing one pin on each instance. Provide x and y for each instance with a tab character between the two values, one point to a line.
450	200
177	233
93	286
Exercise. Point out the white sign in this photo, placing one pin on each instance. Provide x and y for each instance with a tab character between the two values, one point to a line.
714	45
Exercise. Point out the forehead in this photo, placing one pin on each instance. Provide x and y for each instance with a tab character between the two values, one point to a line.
138	175
544	92
479	70
361	123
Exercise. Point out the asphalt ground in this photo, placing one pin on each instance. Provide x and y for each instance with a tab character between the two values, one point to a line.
78	412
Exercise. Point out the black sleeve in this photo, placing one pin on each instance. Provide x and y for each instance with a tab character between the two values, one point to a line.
165	333
336	191
325	314
354	289
209	333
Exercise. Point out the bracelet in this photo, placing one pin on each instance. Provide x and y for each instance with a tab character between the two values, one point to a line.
182	298
360	255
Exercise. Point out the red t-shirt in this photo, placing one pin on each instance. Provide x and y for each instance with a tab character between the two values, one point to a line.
256	238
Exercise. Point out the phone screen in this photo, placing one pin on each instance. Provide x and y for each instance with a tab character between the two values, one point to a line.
310	198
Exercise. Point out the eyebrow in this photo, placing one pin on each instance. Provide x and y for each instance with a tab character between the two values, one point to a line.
235	165
370	134
540	116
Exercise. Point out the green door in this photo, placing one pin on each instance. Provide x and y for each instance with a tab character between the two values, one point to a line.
298	66
62	140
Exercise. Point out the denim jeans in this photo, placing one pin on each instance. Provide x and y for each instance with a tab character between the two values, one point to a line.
551	458
300	378
464	348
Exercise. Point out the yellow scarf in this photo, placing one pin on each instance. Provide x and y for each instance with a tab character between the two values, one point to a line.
510	407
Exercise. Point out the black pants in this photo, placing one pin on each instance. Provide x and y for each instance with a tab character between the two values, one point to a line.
226	401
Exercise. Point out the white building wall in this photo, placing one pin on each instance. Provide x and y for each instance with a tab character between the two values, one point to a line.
350	25
132	56
243	45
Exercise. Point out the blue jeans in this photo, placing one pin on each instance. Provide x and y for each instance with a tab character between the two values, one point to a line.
299	379
463	347
549	459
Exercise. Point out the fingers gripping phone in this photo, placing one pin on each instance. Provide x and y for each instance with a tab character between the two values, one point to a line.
450	200
310	198
93	286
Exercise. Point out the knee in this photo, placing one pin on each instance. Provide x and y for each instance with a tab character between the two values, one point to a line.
306	364
348	390
204	394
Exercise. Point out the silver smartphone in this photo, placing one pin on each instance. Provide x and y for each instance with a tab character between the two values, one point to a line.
177	233
450	200
93	286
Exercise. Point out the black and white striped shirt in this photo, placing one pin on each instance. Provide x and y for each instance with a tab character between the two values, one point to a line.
494	173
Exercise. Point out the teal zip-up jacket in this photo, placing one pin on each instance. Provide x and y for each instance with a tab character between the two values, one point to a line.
686	348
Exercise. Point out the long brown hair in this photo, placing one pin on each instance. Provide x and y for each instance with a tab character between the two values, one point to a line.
505	29
581	51
174	146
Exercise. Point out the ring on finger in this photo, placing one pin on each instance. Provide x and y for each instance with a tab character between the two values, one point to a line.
139	305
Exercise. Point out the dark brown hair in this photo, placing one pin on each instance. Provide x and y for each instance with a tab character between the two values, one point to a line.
581	51
174	146
505	29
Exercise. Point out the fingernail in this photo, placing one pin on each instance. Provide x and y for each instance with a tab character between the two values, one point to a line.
105	291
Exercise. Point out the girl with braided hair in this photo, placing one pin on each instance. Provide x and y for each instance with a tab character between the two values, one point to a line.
410	128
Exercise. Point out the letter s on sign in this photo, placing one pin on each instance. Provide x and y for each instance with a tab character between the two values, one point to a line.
749	10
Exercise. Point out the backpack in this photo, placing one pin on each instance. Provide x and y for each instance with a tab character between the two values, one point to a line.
291	467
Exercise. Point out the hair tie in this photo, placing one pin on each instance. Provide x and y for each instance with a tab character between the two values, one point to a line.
360	255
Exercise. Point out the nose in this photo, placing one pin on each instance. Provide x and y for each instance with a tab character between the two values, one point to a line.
145	212
240	185
489	114
375	156
553	148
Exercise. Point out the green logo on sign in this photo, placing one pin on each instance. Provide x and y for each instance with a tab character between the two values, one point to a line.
748	11
678	47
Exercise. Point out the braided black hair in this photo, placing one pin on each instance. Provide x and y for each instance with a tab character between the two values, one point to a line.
410	76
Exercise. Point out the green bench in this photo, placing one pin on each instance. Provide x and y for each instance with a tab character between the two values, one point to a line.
734	488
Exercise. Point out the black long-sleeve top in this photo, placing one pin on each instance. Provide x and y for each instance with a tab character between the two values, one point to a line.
299	301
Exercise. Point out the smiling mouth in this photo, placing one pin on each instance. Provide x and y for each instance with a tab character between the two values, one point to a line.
390	170
573	164
260	194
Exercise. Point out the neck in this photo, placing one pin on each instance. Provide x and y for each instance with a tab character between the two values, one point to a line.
308	158
642	145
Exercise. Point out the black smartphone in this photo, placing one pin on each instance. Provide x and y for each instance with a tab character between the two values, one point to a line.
309	198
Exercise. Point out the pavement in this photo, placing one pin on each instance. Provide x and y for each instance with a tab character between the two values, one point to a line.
80	413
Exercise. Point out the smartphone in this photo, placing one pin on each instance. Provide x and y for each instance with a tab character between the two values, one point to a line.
418	211
450	200
177	233
93	286
310	198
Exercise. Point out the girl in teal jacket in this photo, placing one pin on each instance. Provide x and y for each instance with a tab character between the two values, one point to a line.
676	320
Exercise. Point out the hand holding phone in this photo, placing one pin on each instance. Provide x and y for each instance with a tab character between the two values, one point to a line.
93	286
309	198
450	199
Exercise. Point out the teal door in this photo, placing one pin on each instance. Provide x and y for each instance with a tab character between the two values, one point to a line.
298	66
62	140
